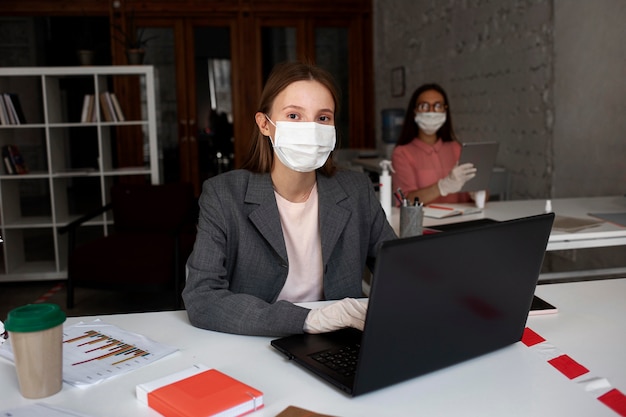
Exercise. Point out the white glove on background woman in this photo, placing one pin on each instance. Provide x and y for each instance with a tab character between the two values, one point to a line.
348	312
459	175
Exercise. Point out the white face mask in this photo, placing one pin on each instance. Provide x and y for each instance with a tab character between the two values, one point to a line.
430	122
303	146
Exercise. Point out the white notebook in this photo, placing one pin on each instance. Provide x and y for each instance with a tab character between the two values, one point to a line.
440	211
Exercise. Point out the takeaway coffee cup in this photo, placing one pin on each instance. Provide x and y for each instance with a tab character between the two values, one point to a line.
36	336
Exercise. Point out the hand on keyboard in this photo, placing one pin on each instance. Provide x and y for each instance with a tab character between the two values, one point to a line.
348	312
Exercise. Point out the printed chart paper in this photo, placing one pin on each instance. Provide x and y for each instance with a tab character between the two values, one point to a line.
40	410
95	351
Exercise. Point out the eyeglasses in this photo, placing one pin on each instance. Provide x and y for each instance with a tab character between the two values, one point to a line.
437	107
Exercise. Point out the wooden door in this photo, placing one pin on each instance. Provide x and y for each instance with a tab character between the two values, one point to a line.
193	64
237	49
211	72
336	44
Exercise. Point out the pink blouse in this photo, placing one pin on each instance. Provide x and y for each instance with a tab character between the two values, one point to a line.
301	230
418	165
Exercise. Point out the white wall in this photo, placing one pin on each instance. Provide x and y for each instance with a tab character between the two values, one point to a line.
590	97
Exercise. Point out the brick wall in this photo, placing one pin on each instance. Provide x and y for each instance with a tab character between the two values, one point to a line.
499	62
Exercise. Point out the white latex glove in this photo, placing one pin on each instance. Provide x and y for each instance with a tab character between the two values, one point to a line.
348	312
459	175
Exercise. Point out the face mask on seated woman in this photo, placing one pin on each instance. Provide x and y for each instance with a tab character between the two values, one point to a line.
303	146
430	122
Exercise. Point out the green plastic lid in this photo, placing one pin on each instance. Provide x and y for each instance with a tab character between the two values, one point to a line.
34	317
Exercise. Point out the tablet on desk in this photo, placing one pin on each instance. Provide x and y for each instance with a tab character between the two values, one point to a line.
483	156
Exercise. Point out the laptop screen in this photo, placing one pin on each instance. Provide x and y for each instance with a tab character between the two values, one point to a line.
436	300
450	296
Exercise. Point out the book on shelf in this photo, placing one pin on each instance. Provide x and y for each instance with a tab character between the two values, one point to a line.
8	165
85	110
110	105
88	113
199	391
10	109
17	107
118	109
107	95
107	107
440	211
4	116
13	161
91	114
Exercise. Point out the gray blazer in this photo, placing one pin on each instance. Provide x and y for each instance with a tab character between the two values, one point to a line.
239	262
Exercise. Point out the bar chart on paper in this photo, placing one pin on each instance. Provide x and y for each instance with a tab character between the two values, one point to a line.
93	352
108	348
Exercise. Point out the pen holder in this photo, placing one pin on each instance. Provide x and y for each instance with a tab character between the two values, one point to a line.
411	218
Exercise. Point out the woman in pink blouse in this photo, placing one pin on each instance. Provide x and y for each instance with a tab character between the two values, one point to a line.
425	159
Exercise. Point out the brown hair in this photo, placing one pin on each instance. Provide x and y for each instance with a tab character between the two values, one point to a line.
261	154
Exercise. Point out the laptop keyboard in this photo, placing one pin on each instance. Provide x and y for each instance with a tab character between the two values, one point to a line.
342	360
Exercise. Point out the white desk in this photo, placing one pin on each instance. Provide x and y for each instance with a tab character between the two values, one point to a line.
514	381
604	235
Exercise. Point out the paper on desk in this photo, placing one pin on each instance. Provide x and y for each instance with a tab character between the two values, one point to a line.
95	351
573	224
617	218
40	410
440	211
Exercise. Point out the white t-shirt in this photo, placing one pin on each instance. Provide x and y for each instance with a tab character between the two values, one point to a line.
300	224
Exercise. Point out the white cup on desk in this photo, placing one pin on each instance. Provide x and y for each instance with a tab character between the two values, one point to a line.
479	198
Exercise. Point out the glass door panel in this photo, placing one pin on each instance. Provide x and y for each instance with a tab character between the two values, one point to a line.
161	55
194	98
278	45
331	53
213	101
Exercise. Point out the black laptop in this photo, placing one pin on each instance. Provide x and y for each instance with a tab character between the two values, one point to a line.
436	300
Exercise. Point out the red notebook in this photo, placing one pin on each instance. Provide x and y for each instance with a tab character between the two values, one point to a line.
200	392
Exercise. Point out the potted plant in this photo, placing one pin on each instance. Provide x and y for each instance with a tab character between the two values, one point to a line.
133	39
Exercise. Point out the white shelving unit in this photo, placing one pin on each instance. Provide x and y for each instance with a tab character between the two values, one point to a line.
71	164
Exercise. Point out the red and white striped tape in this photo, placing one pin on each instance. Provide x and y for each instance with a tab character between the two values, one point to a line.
597	386
49	293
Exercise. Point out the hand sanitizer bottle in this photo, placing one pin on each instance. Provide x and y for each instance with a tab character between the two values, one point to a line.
384	187
548	207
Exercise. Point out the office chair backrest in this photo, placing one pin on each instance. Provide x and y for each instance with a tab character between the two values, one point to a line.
146	207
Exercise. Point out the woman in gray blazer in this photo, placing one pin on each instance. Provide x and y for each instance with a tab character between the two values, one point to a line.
288	227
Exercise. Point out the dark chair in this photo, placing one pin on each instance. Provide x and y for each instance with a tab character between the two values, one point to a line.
153	234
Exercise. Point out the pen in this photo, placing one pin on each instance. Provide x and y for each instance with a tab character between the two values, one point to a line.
404	200
397	196
440	207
